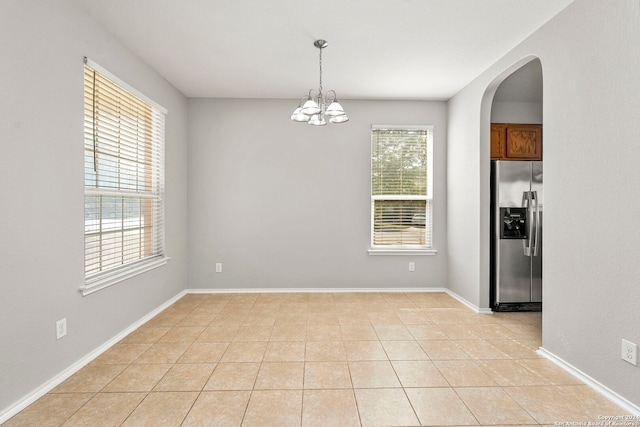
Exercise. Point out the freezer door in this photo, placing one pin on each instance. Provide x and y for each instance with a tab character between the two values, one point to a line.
512	267
536	258
513	178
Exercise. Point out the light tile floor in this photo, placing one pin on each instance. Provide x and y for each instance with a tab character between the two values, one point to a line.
322	359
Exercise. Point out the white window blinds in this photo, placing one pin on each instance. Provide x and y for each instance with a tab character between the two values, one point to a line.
123	178
401	188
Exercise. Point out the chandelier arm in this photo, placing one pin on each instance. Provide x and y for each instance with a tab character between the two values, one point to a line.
335	96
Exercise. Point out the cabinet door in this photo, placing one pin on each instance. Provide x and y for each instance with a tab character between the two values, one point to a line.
524	142
498	136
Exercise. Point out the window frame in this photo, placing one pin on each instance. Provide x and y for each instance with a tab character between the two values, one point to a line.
410	249
153	176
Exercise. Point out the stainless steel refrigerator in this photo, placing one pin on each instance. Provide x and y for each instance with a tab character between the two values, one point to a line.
516	235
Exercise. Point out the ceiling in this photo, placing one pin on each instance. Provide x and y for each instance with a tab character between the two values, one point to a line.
378	49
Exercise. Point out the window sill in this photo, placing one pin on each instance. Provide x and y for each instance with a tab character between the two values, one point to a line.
401	251
118	276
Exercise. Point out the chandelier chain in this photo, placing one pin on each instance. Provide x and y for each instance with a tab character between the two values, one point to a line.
321	71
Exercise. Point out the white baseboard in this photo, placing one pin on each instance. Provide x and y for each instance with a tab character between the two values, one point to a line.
27	400
605	391
58	379
302	290
338	290
468	304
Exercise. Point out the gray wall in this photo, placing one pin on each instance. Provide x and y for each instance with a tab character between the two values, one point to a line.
41	188
516	112
590	55
518	99
287	205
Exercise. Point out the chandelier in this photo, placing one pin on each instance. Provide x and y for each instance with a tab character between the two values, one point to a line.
315	109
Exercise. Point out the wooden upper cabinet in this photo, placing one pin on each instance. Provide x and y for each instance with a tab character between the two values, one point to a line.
516	141
498	139
524	142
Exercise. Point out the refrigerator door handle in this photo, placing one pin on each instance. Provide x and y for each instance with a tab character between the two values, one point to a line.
526	203
537	224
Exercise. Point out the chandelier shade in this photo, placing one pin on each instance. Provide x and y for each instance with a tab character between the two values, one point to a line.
335	109
339	119
299	116
310	107
315	109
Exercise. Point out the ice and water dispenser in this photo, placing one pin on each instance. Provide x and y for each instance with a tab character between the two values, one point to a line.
513	223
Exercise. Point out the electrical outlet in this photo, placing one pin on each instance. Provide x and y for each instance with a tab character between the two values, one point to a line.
218	267
61	328
412	266
630	352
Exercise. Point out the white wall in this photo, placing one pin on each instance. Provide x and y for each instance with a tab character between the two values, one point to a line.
590	55
286	205
41	193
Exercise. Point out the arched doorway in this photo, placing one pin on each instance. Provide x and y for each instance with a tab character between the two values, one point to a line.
513	107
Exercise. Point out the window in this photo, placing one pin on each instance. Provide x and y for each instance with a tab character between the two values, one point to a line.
123	181
401	190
